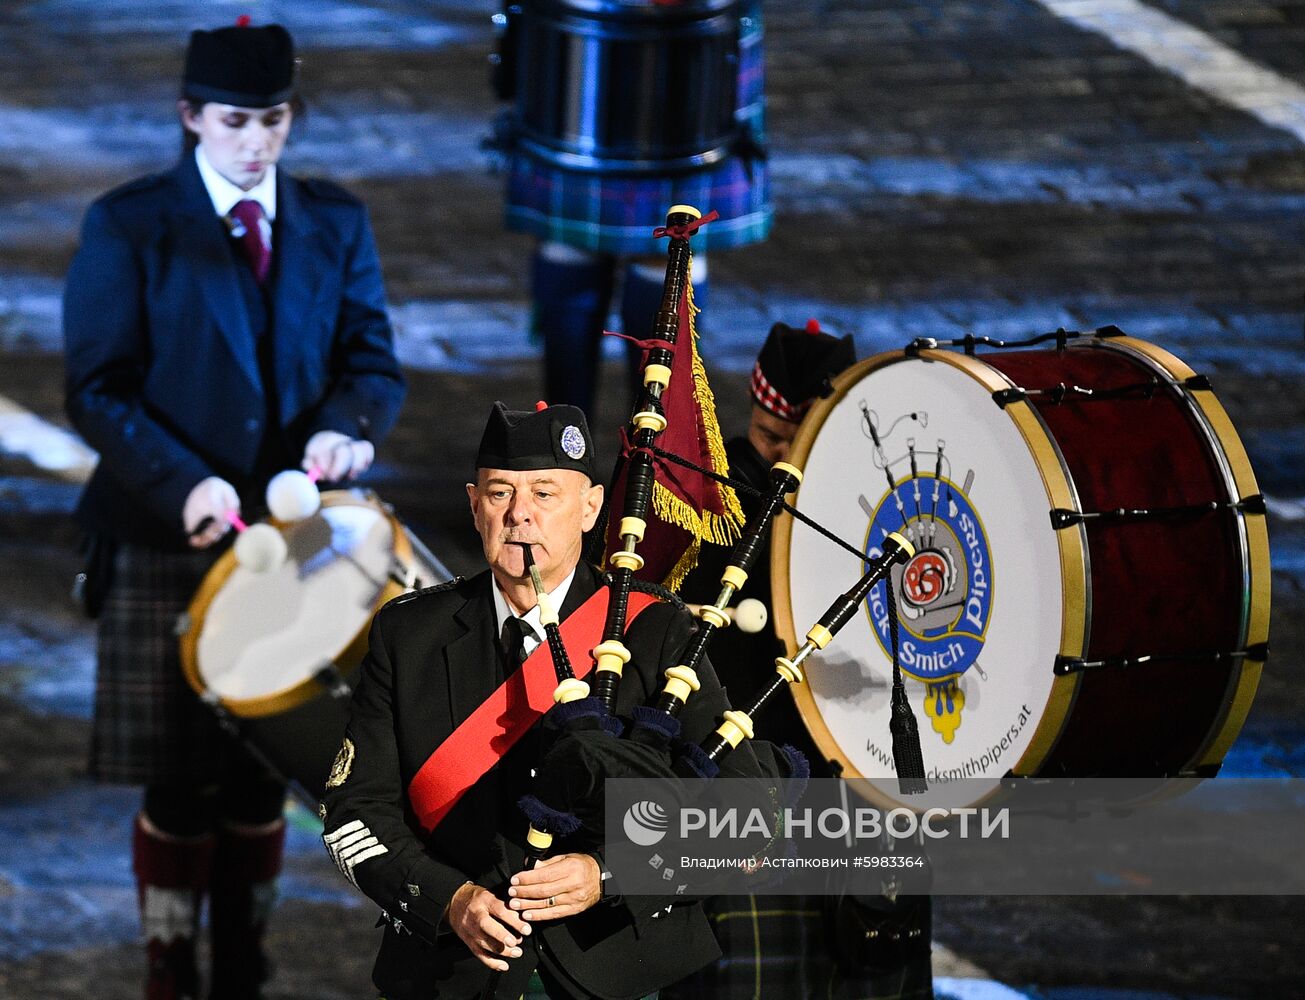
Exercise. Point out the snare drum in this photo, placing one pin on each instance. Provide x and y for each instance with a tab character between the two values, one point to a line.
275	652
626	86
1090	591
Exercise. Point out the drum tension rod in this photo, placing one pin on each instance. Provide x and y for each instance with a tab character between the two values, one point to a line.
1066	665
1062	518
969	342
1058	392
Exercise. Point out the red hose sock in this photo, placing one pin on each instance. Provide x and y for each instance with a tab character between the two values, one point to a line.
171	876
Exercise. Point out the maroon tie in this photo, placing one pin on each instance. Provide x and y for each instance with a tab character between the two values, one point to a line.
249	215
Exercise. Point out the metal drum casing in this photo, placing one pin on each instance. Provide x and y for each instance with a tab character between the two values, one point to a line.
277	652
997	596
626	86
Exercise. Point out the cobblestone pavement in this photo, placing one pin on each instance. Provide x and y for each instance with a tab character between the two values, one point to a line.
939	168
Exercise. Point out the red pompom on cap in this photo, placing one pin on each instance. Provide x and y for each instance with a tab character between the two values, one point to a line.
813	325
540	405
243	21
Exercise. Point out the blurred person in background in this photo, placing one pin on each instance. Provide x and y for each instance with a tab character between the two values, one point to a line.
622	111
222	321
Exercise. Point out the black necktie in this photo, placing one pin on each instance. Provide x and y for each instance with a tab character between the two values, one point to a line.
514	642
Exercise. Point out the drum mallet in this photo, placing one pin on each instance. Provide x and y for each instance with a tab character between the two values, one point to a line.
259	547
292	495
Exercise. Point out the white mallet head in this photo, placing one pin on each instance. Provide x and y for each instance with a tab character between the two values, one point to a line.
260	548
292	496
750	615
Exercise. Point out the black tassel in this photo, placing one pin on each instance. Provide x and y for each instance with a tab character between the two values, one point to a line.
906	745
908	758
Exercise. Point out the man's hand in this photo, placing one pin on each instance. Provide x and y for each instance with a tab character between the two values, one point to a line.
337	456
486	926
557	887
208	504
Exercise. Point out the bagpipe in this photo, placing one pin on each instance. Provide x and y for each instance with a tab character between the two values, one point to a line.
587	743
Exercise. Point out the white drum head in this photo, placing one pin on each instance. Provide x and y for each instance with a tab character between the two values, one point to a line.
265	633
980	603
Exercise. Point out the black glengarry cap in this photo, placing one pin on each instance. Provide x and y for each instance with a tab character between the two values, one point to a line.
793	367
250	67
547	437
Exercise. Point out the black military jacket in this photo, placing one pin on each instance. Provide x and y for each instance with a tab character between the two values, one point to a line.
433	659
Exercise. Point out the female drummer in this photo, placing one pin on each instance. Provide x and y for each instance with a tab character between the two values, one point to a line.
223	320
593	221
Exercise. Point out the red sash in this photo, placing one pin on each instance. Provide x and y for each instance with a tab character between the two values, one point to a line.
506	715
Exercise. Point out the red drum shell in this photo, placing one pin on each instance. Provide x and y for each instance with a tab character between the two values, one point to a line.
1167	585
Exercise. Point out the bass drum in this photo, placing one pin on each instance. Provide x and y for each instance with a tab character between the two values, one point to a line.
275	653
1090	593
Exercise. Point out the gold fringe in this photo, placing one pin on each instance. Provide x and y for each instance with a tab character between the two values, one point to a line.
701	525
676	577
707	406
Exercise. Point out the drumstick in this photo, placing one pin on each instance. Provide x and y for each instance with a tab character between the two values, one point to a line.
231	517
259	548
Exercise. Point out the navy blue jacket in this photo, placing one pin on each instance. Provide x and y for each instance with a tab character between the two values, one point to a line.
162	374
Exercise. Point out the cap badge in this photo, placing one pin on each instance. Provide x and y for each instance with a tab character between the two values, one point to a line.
573	441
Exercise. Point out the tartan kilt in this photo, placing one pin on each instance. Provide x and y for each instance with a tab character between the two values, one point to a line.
608	214
617	214
780	948
149	726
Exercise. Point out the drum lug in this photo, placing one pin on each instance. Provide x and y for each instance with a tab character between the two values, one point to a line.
332	681
1253	504
182	625
1004	397
919	344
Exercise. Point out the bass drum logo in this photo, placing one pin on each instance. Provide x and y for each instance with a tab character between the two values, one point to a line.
944	594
